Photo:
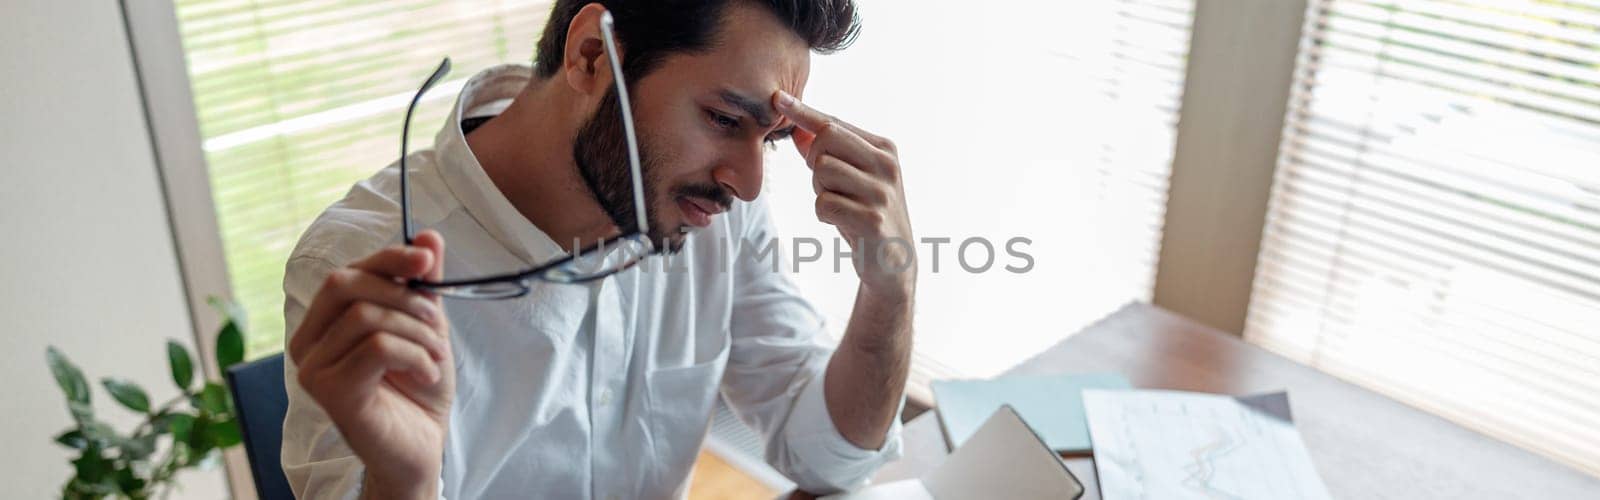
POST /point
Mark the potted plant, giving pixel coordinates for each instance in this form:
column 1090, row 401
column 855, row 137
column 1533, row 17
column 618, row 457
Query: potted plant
column 188, row 431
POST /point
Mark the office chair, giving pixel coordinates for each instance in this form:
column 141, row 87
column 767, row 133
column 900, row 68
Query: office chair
column 260, row 399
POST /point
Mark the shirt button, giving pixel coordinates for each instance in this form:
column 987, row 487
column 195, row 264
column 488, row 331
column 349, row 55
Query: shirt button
column 605, row 397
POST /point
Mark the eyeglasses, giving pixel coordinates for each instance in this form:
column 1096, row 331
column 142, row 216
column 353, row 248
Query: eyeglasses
column 608, row 257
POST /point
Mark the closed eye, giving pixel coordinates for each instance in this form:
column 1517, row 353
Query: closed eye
column 731, row 125
column 722, row 121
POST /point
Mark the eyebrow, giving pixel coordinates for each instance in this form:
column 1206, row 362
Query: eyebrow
column 755, row 108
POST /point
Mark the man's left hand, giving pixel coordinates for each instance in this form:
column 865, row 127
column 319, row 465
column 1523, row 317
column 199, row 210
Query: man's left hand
column 856, row 176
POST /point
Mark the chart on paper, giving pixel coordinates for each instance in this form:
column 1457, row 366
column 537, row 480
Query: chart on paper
column 1180, row 445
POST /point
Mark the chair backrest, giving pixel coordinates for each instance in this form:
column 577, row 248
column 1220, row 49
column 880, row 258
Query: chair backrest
column 260, row 399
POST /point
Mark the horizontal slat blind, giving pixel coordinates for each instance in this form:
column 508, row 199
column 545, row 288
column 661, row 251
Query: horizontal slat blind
column 1126, row 86
column 1435, row 224
column 298, row 99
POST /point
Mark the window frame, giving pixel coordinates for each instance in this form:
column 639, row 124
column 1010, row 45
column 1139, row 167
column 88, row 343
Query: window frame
column 158, row 60
column 1242, row 59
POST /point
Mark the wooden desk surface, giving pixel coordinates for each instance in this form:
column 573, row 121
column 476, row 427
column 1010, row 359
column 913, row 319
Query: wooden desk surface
column 1365, row 445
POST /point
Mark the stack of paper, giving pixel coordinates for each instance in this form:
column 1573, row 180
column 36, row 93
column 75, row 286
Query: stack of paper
column 1184, row 445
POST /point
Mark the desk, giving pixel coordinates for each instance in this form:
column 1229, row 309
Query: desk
column 1365, row 445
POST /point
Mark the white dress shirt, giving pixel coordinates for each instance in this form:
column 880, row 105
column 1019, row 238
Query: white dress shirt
column 580, row 391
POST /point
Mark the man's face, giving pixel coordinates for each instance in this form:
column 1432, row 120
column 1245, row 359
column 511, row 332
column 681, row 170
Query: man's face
column 702, row 119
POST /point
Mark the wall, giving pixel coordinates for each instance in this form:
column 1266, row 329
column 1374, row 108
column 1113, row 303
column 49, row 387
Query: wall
column 1022, row 137
column 88, row 262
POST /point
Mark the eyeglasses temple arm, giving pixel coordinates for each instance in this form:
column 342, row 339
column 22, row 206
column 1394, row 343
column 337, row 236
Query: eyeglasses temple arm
column 606, row 24
column 405, row 137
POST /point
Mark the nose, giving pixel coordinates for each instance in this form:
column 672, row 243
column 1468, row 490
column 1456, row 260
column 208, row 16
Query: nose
column 741, row 173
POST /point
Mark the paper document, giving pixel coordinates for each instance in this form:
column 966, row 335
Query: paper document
column 1184, row 445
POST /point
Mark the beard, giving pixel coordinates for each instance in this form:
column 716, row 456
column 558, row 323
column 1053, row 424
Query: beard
column 601, row 152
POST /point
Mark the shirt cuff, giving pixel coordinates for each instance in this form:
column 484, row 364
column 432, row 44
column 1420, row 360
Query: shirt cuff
column 826, row 461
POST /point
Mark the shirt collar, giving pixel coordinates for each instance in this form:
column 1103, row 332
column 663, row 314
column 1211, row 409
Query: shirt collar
column 487, row 93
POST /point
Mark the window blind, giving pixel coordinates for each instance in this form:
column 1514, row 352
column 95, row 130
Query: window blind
column 1049, row 120
column 299, row 99
column 1434, row 231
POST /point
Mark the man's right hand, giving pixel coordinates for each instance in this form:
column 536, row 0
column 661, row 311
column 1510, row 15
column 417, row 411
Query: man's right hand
column 375, row 354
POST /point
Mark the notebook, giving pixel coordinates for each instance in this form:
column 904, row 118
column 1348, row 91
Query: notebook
column 1051, row 404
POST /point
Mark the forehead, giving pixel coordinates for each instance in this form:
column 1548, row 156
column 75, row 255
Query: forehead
column 753, row 55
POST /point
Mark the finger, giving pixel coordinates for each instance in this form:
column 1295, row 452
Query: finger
column 803, row 115
column 880, row 155
column 365, row 319
column 383, row 353
column 396, row 262
column 833, row 174
column 434, row 243
column 816, row 128
column 389, row 263
column 802, row 139
column 853, row 149
column 343, row 287
column 874, row 139
column 848, row 215
column 334, row 382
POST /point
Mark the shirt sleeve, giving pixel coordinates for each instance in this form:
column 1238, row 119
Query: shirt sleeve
column 316, row 461
column 776, row 369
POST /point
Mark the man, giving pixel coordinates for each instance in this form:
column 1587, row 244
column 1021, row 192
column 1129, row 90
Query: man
column 603, row 389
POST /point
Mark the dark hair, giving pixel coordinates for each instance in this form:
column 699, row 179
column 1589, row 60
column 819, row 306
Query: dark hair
column 649, row 30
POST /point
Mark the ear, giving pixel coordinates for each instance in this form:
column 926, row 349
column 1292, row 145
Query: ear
column 584, row 65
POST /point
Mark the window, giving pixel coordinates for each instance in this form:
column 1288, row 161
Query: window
column 1053, row 122
column 299, row 99
column 1434, row 232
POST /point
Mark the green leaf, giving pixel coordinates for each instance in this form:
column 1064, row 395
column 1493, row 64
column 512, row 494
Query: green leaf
column 72, row 439
column 127, row 393
column 92, row 467
column 180, row 424
column 98, row 433
column 81, row 412
column 224, row 433
column 199, row 443
column 230, row 345
column 214, row 399
column 230, row 338
column 77, row 489
column 161, row 422
column 198, row 440
column 182, row 365
column 68, row 376
column 137, row 448
column 128, row 483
